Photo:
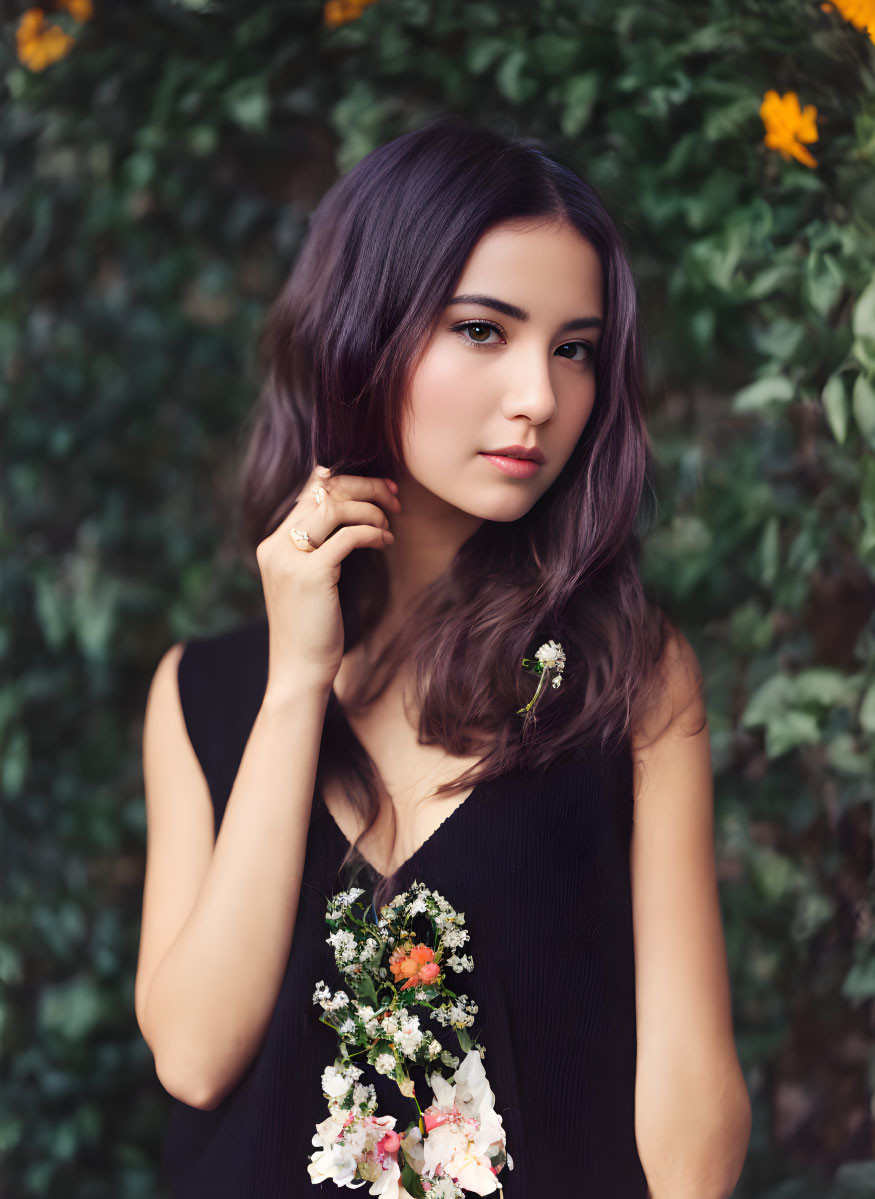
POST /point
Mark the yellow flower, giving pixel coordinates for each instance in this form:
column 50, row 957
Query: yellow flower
column 38, row 43
column 80, row 10
column 340, row 12
column 787, row 125
column 860, row 13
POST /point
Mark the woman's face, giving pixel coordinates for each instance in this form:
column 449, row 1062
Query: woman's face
column 525, row 377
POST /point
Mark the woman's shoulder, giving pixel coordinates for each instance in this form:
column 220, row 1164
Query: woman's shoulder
column 676, row 693
column 215, row 669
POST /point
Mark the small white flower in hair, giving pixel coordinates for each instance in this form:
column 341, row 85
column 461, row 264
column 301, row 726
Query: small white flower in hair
column 549, row 660
column 551, row 654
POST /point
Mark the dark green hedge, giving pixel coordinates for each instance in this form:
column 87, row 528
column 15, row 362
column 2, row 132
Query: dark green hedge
column 156, row 179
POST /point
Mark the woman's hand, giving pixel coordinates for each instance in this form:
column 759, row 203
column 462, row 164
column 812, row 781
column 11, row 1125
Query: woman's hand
column 339, row 513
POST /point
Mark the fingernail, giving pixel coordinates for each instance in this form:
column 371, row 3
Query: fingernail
column 392, row 485
column 323, row 472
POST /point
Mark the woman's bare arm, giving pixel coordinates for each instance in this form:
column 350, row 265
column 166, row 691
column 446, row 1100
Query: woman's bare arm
column 219, row 914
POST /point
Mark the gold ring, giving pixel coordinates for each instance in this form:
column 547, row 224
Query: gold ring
column 319, row 493
column 300, row 539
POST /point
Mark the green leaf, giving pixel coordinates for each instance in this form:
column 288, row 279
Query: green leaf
column 555, row 53
column 513, row 82
column 750, row 629
column 14, row 763
column 11, row 1131
column 378, row 1048
column 719, row 256
column 867, row 709
column 864, row 352
column 773, row 705
column 730, row 119
column 17, row 81
column 52, row 606
column 364, row 988
column 825, row 281
column 769, row 280
column 139, row 168
column 813, row 910
column 842, row 755
column 834, row 398
column 579, row 94
column 863, row 404
column 10, row 964
column 787, row 730
column 780, row 339
column 72, row 1009
column 777, row 875
column 853, row 1180
column 482, row 53
column 859, row 982
column 411, row 1181
column 774, row 389
column 247, row 103
column 203, row 139
column 770, row 549
column 821, row 686
column 863, row 318
column 867, row 510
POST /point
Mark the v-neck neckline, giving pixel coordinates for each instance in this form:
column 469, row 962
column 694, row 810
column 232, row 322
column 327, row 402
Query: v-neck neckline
column 341, row 836
column 339, row 831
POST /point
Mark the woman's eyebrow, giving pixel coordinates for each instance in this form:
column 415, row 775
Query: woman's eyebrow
column 520, row 314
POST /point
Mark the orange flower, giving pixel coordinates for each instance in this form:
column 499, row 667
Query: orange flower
column 38, row 43
column 859, row 13
column 787, row 125
column 417, row 965
column 341, row 12
column 80, row 10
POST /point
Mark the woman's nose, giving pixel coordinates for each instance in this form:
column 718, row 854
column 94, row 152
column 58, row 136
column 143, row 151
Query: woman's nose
column 533, row 397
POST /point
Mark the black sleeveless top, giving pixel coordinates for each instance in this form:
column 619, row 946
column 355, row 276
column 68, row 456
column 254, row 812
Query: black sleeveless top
column 540, row 867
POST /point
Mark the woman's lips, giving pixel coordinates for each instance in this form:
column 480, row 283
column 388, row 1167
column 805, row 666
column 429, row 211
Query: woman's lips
column 517, row 468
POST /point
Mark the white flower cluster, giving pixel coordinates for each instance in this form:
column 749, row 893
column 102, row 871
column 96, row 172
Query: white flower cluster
column 344, row 945
column 337, row 1082
column 322, row 995
column 403, row 1030
column 464, row 1146
column 552, row 655
column 369, row 1020
column 384, row 1063
column 459, row 1014
column 342, row 900
column 349, row 1144
column 445, row 1188
column 447, row 920
column 355, row 1146
column 351, row 956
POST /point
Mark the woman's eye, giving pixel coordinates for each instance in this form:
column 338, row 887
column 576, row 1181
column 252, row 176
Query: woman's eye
column 587, row 355
column 475, row 333
column 479, row 327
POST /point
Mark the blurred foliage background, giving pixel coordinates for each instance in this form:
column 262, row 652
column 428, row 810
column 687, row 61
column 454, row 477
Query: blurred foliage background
column 159, row 161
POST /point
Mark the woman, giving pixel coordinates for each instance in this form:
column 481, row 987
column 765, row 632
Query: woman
column 445, row 471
